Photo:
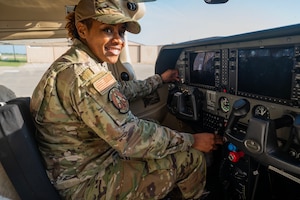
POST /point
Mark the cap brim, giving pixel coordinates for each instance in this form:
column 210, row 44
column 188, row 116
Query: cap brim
column 132, row 25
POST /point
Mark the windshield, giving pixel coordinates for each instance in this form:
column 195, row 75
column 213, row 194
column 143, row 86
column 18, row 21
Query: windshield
column 167, row 22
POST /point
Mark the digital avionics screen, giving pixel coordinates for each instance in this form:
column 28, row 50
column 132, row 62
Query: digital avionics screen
column 202, row 70
column 266, row 71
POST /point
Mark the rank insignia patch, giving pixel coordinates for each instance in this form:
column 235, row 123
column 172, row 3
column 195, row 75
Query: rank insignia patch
column 118, row 100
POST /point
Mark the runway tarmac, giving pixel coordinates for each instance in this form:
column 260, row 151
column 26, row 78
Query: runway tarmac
column 22, row 80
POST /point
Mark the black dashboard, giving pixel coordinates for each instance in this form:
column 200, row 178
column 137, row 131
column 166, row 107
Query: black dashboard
column 247, row 88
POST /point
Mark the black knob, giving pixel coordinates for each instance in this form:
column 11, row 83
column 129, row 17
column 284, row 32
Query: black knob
column 124, row 76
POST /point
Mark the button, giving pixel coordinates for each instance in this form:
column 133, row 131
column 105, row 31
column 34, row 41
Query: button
column 231, row 147
column 235, row 156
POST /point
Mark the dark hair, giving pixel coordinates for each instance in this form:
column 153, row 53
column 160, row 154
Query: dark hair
column 71, row 27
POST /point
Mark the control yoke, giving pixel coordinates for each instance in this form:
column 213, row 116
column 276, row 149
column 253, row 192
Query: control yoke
column 260, row 140
column 240, row 109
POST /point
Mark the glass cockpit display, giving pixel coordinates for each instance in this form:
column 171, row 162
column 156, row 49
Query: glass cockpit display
column 202, row 70
column 266, row 71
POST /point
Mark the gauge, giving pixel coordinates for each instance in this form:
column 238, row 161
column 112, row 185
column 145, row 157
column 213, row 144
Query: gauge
column 224, row 104
column 261, row 111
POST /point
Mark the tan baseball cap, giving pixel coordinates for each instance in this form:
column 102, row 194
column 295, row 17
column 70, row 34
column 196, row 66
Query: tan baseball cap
column 105, row 11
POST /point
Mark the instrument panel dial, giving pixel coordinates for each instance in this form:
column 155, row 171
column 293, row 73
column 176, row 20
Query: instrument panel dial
column 224, row 104
column 261, row 111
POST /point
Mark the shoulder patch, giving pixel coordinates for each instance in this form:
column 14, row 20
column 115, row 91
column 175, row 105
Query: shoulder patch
column 87, row 74
column 105, row 83
column 118, row 100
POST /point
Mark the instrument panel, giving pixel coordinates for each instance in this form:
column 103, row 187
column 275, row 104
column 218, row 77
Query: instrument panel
column 266, row 71
column 218, row 75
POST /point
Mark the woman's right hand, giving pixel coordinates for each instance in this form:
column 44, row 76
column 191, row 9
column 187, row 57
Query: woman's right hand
column 206, row 142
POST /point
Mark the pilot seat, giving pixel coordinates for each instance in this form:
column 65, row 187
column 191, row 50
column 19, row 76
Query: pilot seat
column 19, row 153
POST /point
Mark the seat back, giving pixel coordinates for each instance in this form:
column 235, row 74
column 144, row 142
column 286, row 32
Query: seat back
column 19, row 153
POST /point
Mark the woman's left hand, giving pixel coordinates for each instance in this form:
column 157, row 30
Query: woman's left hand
column 170, row 75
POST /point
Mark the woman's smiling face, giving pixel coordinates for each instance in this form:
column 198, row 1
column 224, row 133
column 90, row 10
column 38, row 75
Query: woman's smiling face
column 105, row 40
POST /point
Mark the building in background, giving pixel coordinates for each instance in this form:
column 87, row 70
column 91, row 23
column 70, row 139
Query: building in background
column 47, row 53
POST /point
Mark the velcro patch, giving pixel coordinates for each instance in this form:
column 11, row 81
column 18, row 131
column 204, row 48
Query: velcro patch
column 87, row 74
column 105, row 83
column 118, row 100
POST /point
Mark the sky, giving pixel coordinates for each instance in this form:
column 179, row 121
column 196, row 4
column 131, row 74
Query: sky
column 18, row 49
column 174, row 21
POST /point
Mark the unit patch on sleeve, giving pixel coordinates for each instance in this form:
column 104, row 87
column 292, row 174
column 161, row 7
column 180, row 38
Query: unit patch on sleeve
column 118, row 100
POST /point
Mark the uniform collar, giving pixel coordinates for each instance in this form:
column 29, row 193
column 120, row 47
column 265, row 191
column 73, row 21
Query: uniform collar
column 80, row 45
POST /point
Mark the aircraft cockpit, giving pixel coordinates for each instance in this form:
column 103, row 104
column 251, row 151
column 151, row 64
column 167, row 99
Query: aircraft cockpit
column 246, row 88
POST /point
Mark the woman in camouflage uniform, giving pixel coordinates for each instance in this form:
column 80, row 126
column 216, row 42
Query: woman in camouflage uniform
column 94, row 147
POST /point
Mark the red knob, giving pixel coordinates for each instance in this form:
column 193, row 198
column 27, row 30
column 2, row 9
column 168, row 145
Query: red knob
column 235, row 156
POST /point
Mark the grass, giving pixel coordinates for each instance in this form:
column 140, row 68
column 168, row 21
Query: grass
column 11, row 63
column 10, row 60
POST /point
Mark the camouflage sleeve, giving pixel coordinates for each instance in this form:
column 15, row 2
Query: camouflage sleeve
column 140, row 88
column 147, row 139
column 107, row 114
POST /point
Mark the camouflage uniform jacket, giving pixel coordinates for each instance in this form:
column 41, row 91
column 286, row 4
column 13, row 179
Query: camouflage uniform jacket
column 84, row 121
